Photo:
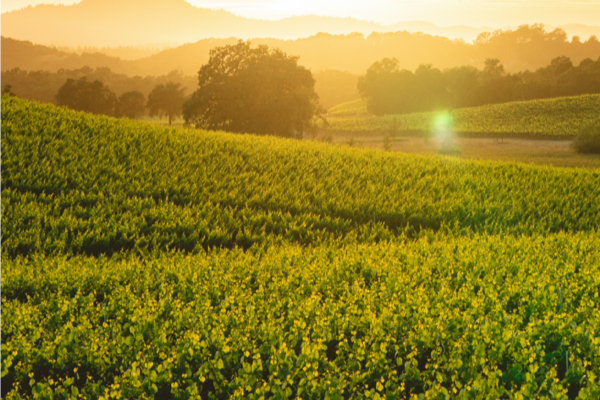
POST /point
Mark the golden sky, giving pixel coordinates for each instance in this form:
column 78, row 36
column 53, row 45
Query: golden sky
column 495, row 13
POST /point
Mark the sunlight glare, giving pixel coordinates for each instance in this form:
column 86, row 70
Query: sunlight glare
column 442, row 126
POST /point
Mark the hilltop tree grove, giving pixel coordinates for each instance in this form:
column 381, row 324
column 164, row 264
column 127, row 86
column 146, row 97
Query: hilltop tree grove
column 253, row 90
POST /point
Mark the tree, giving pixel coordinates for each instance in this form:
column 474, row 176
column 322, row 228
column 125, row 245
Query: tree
column 166, row 100
column 496, row 86
column 560, row 65
column 131, row 105
column 592, row 40
column 6, row 91
column 83, row 95
column 431, row 91
column 380, row 85
column 389, row 90
column 253, row 90
column 493, row 69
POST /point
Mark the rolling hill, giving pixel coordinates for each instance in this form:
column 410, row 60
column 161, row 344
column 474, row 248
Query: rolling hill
column 557, row 117
column 227, row 180
column 141, row 261
column 353, row 53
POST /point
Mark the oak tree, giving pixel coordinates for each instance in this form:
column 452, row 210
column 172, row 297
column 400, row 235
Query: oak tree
column 166, row 100
column 253, row 90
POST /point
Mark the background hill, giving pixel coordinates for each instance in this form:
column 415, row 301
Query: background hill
column 113, row 23
column 529, row 47
column 558, row 117
column 335, row 60
column 133, row 22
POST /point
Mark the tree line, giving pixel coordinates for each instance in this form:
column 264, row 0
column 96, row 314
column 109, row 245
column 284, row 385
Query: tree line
column 241, row 89
column 389, row 89
column 265, row 91
column 43, row 86
column 526, row 48
column 333, row 87
column 94, row 97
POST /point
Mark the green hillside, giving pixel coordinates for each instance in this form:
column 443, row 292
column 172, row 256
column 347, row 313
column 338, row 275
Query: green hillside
column 558, row 117
column 146, row 262
column 356, row 108
column 81, row 184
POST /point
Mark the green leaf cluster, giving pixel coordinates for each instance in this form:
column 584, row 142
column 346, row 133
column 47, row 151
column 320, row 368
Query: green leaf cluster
column 489, row 317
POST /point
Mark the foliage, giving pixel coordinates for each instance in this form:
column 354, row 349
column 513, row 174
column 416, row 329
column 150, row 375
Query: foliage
column 42, row 86
column 166, row 100
column 528, row 47
column 7, row 91
column 380, row 86
column 389, row 90
column 487, row 317
column 588, row 140
column 83, row 95
column 131, row 105
column 256, row 90
column 101, row 185
column 147, row 262
column 560, row 117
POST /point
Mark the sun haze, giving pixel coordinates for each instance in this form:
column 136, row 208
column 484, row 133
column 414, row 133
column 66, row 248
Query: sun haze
column 314, row 199
column 495, row 13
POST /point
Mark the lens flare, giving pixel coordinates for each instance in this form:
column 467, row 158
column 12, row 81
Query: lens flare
column 442, row 126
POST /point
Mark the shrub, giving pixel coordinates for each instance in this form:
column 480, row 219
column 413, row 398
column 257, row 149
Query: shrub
column 588, row 140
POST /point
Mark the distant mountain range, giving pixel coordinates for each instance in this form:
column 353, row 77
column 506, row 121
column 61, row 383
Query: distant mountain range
column 134, row 22
column 138, row 22
column 528, row 48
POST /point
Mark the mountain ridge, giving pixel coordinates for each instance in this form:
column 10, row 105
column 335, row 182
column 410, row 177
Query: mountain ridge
column 138, row 22
column 111, row 23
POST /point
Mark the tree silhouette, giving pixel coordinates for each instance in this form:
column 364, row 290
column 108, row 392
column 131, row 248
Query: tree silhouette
column 493, row 69
column 83, row 95
column 389, row 90
column 382, row 87
column 131, row 105
column 166, row 100
column 256, row 90
column 7, row 91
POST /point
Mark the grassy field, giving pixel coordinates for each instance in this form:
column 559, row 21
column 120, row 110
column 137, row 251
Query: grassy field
column 528, row 132
column 559, row 118
column 140, row 261
column 356, row 108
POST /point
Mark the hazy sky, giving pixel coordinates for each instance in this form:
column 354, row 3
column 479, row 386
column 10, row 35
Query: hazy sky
column 498, row 13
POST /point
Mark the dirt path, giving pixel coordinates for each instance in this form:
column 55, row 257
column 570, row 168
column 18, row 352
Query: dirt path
column 542, row 152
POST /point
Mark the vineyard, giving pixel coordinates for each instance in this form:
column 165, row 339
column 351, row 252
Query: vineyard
column 555, row 118
column 146, row 262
